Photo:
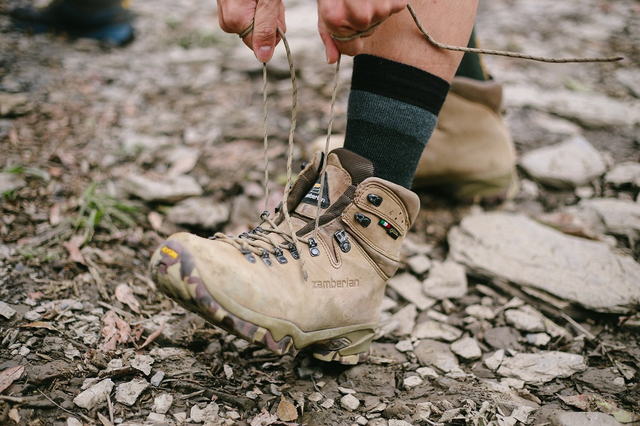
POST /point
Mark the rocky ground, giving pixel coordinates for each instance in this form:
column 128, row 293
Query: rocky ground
column 517, row 314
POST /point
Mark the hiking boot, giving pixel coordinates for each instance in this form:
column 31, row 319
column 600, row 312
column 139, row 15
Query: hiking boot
column 254, row 287
column 471, row 155
column 105, row 20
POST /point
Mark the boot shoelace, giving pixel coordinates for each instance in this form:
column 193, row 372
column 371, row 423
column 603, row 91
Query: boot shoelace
column 259, row 241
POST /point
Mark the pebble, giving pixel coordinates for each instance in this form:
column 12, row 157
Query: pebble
column 625, row 173
column 398, row 422
column 585, row 192
column 447, row 280
column 349, row 402
column 517, row 249
column 361, row 420
column 480, row 312
column 406, row 320
column 419, row 264
column 128, row 393
column 536, row 368
column 72, row 421
column 524, row 321
column 315, row 397
column 570, row 164
column 466, row 348
column 6, row 311
column 609, row 215
column 156, row 379
column 162, row 403
column 409, row 287
column 156, row 417
column 142, row 363
column 404, row 346
column 209, row 413
column 412, row 382
column 437, row 354
column 94, row 395
column 538, row 339
column 629, row 79
column 328, row 403
column 12, row 104
column 436, row 330
column 32, row 316
column 427, row 372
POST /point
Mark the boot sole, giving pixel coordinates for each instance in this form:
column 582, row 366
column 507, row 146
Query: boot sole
column 173, row 269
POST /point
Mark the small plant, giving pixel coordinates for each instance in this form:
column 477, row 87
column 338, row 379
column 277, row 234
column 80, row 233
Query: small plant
column 97, row 209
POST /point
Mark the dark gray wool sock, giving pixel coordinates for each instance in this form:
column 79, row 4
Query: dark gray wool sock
column 392, row 112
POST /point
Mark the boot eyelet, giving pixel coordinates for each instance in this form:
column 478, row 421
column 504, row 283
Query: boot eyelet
column 294, row 252
column 374, row 199
column 265, row 257
column 280, row 256
column 362, row 219
column 343, row 240
column 248, row 255
column 313, row 248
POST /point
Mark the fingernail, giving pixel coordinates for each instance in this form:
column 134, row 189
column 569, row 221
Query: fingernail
column 264, row 53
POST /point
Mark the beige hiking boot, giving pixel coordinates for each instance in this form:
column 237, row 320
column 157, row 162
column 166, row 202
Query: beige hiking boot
column 471, row 155
column 253, row 285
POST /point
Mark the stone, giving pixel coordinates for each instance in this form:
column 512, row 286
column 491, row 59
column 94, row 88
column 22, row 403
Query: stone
column 12, row 104
column 398, row 422
column 629, row 79
column 406, row 320
column 514, row 248
column 427, row 372
column 404, row 346
column 585, row 192
column 564, row 418
column 156, row 418
column 349, row 402
column 437, row 354
column 446, row 280
column 419, row 264
column 412, row 382
column 162, row 403
column 480, row 312
column 72, row 421
column 142, row 363
column 94, row 395
column 6, row 311
column 609, row 215
column 162, row 190
column 466, row 348
column 623, row 174
column 156, row 379
column 128, row 393
column 538, row 339
column 436, row 330
column 524, row 321
column 199, row 211
column 536, row 368
column 502, row 338
column 409, row 287
column 567, row 165
column 10, row 182
column 208, row 413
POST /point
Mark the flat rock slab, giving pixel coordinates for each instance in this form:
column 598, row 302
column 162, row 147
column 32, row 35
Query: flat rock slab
column 536, row 368
column 563, row 418
column 446, row 280
column 95, row 395
column 623, row 174
column 609, row 215
column 515, row 248
column 199, row 211
column 170, row 190
column 436, row 354
column 569, row 164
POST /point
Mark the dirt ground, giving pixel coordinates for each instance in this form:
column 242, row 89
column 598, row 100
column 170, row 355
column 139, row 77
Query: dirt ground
column 185, row 99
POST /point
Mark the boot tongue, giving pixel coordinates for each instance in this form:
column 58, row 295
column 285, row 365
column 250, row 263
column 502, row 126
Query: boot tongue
column 344, row 170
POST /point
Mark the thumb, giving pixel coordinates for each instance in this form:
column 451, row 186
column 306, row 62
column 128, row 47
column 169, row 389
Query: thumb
column 265, row 29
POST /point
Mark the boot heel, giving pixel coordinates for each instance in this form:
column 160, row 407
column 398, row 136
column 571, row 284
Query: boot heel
column 351, row 348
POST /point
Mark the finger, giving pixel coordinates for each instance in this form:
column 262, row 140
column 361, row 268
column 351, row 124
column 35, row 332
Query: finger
column 331, row 50
column 265, row 29
column 235, row 16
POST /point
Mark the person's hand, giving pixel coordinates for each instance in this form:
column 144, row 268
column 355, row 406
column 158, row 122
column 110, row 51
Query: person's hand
column 344, row 18
column 235, row 16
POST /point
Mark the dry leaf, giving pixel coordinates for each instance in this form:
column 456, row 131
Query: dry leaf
column 125, row 295
column 73, row 247
column 14, row 415
column 9, row 376
column 41, row 324
column 115, row 331
column 286, row 411
column 153, row 335
column 264, row 419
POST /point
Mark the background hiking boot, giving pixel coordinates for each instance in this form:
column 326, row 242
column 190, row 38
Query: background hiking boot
column 471, row 155
column 253, row 285
column 105, row 20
